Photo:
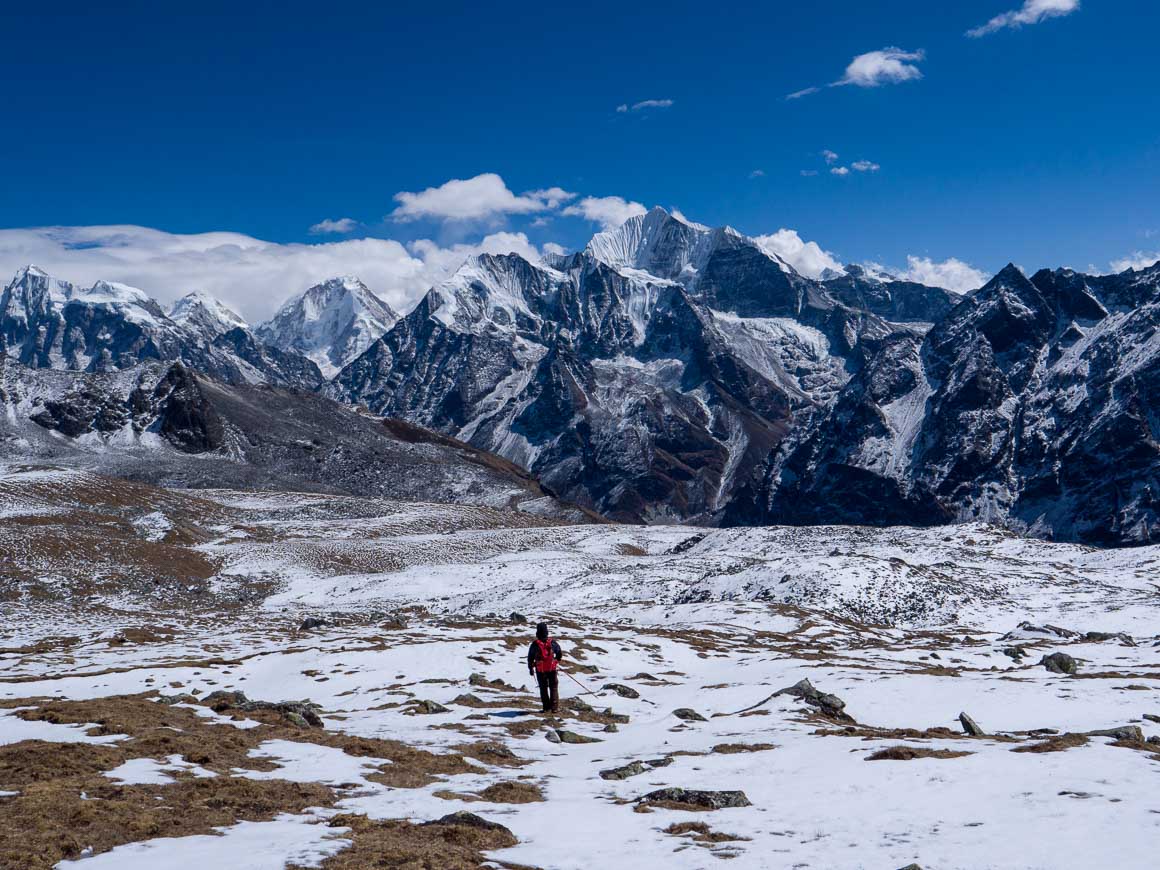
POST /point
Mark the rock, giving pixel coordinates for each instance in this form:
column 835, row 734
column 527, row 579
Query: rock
column 181, row 698
column 518, row 619
column 1101, row 636
column 471, row 820
column 396, row 621
column 622, row 690
column 970, row 726
column 1152, row 717
column 1124, row 732
column 634, row 768
column 297, row 719
column 1048, row 629
column 427, row 707
column 707, row 800
column 1059, row 663
column 573, row 737
column 804, row 690
column 611, row 728
column 689, row 715
column 659, row 762
column 552, row 736
column 304, row 714
column 1154, row 740
column 910, row 867
column 1014, row 652
column 311, row 622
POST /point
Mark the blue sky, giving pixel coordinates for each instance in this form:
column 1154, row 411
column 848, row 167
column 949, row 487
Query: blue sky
column 1038, row 142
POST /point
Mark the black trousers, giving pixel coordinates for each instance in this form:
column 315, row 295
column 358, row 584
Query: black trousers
column 549, row 690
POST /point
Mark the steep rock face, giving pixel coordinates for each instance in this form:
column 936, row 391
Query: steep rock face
column 890, row 298
column 206, row 316
column 643, row 376
column 332, row 323
column 1033, row 403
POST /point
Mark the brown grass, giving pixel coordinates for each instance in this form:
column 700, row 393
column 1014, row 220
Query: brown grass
column 737, row 748
column 406, row 846
column 1054, row 744
column 701, row 833
column 909, row 753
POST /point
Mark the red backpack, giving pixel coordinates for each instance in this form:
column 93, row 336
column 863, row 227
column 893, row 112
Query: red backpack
column 546, row 663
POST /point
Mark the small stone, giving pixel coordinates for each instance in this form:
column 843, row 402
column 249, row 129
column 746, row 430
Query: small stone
column 312, row 622
column 1014, row 652
column 634, row 768
column 1152, row 717
column 1059, row 663
column 428, row 707
column 611, row 728
column 573, row 737
column 552, row 736
column 970, row 726
column 518, row 619
column 687, row 714
column 622, row 690
column 297, row 720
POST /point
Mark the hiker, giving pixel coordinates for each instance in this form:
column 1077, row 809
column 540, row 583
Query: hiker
column 543, row 658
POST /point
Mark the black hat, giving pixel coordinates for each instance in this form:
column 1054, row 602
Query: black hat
column 542, row 631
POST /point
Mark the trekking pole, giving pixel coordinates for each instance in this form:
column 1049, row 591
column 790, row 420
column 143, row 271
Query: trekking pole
column 587, row 691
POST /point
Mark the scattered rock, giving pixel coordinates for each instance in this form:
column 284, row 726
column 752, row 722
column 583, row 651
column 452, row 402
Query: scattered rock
column 611, row 728
column 970, row 726
column 1014, row 652
column 1059, row 663
column 552, row 736
column 311, row 622
column 622, row 690
column 518, row 619
column 1152, row 717
column 470, row 820
column 687, row 714
column 696, row 799
column 1047, row 629
column 1101, row 636
column 634, row 768
column 572, row 737
column 910, row 867
column 303, row 714
column 181, row 698
column 483, row 682
column 737, row 748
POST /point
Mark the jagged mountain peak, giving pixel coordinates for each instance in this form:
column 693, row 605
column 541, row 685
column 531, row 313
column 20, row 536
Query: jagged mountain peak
column 205, row 314
column 331, row 323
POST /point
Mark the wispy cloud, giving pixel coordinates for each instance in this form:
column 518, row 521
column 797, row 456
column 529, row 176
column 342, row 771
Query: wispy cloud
column 864, row 166
column 951, row 274
column 608, row 211
column 757, row 173
column 339, row 226
column 830, row 156
column 887, row 66
column 479, row 198
column 809, row 173
column 645, row 104
column 1031, row 12
column 840, row 170
column 1136, row 260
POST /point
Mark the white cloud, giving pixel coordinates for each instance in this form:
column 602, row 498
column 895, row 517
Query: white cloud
column 339, row 226
column 889, row 66
column 840, row 170
column 1136, row 260
column 1031, row 12
column 608, row 211
column 465, row 199
column 865, row 166
column 645, row 104
column 830, row 156
column 951, row 274
column 757, row 173
column 809, row 173
column 250, row 275
column 808, row 258
column 553, row 248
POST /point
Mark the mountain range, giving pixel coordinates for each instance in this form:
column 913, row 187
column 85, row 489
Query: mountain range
column 673, row 372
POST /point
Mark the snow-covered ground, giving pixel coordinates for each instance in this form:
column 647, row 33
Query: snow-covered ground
column 908, row 627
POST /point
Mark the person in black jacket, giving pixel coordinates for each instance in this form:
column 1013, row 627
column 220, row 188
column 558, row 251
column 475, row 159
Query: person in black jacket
column 543, row 660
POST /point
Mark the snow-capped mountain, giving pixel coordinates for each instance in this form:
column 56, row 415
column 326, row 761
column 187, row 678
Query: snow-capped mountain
column 204, row 314
column 47, row 323
column 332, row 323
column 1033, row 402
column 643, row 376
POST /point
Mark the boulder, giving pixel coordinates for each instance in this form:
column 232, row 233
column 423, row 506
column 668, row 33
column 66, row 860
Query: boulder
column 518, row 619
column 634, row 768
column 427, row 707
column 1124, row 732
column 573, row 737
column 1059, row 663
column 311, row 622
column 970, row 726
column 698, row 799
column 622, row 690
column 831, row 705
column 687, row 714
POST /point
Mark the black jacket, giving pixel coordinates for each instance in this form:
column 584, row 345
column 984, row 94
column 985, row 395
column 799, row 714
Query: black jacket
column 534, row 653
